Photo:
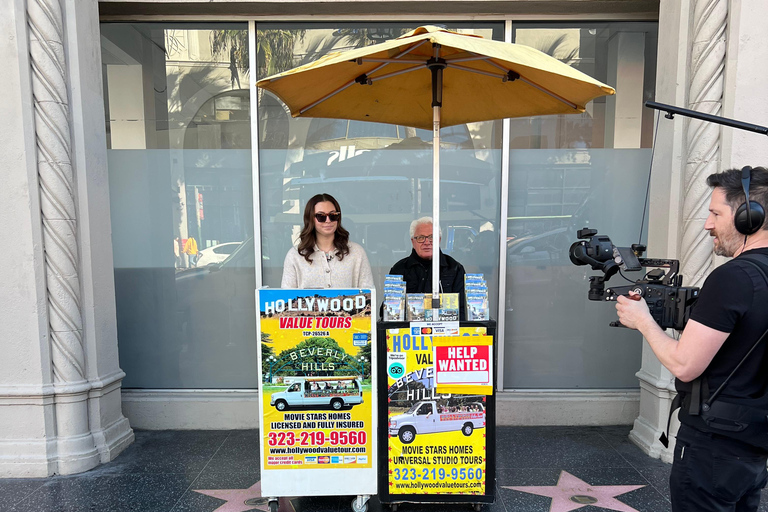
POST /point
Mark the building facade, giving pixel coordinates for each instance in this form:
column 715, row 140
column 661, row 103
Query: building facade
column 150, row 188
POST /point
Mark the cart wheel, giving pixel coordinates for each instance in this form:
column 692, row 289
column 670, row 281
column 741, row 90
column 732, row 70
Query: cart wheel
column 273, row 506
column 363, row 507
column 477, row 507
column 393, row 506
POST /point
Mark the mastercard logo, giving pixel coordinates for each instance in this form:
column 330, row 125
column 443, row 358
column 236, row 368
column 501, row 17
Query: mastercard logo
column 426, row 330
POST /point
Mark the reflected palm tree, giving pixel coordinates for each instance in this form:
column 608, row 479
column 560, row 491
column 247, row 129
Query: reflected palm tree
column 275, row 49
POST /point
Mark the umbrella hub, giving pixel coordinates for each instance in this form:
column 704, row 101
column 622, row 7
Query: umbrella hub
column 435, row 63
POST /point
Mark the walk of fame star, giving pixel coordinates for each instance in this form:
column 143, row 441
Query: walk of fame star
column 572, row 493
column 241, row 500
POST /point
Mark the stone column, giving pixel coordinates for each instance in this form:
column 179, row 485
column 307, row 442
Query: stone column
column 61, row 389
column 687, row 151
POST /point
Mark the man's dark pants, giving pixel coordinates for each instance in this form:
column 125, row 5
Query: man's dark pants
column 712, row 473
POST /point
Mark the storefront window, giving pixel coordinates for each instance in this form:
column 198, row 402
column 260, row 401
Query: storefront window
column 566, row 173
column 181, row 189
column 381, row 174
column 178, row 124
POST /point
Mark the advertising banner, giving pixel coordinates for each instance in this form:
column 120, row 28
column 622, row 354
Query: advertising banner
column 318, row 408
column 437, row 442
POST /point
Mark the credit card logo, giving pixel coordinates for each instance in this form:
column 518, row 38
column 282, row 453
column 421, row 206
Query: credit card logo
column 310, row 459
column 362, row 459
column 335, row 460
column 350, row 459
column 324, row 459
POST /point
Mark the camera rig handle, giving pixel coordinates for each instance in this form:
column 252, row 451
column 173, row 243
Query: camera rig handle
column 671, row 277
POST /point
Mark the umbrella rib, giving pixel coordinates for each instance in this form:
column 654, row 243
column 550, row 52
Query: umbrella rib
column 337, row 91
column 494, row 64
column 409, row 50
column 395, row 73
column 396, row 61
column 537, row 86
column 478, row 71
column 330, row 95
column 396, row 58
column 466, row 59
column 547, row 91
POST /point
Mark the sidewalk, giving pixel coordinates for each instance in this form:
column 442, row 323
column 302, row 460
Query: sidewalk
column 165, row 471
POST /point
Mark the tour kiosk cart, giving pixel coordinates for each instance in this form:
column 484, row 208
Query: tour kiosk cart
column 436, row 392
column 317, row 401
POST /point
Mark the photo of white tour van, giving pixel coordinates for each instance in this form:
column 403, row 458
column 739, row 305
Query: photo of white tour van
column 427, row 417
column 335, row 392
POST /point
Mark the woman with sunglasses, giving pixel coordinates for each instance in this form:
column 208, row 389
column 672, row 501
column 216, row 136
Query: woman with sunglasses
column 325, row 258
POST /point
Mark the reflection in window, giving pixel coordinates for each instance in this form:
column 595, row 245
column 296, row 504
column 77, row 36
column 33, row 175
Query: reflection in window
column 568, row 172
column 363, row 129
column 178, row 106
column 622, row 55
column 222, row 122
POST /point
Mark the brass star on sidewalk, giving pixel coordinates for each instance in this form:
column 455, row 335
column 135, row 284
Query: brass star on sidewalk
column 241, row 500
column 572, row 493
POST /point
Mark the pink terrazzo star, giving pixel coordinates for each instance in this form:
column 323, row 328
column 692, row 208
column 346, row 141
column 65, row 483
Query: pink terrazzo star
column 572, row 493
column 241, row 500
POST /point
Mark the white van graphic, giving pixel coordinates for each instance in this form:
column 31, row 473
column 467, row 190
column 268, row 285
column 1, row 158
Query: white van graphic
column 426, row 417
column 335, row 392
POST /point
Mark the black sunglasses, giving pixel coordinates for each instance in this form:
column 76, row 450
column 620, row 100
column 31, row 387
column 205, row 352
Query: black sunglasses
column 334, row 216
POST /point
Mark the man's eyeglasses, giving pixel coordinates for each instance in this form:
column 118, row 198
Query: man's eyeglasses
column 334, row 216
column 423, row 238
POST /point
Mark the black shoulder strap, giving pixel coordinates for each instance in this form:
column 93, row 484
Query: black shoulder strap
column 757, row 263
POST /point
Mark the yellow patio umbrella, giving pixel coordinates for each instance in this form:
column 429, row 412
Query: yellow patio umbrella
column 432, row 78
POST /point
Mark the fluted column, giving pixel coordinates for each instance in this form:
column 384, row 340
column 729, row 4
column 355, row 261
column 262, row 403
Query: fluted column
column 687, row 151
column 75, row 446
column 57, row 199
column 702, row 138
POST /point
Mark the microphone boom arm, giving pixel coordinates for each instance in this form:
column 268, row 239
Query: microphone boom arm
column 671, row 110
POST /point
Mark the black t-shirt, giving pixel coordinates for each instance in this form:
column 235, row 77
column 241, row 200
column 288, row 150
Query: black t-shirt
column 734, row 299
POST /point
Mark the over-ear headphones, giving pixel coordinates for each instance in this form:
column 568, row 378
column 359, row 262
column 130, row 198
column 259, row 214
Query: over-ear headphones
column 750, row 215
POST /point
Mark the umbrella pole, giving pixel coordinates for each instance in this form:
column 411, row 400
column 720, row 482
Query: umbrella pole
column 436, row 65
column 435, row 210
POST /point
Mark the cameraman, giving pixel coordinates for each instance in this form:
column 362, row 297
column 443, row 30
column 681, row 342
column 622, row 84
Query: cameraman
column 716, row 469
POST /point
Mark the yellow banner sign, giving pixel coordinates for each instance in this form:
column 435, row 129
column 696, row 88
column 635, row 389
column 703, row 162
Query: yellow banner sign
column 436, row 440
column 316, row 375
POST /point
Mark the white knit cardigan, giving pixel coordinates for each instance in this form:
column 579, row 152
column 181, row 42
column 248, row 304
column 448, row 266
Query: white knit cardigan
column 353, row 271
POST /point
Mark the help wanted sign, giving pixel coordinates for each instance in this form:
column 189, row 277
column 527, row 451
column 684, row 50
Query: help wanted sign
column 463, row 361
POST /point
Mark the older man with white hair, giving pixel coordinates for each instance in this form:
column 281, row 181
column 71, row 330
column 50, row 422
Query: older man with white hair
column 416, row 269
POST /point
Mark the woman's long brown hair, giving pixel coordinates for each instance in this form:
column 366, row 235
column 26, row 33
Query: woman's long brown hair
column 307, row 236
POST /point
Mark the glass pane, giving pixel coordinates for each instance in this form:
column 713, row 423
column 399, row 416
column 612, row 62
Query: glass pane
column 380, row 174
column 622, row 55
column 566, row 173
column 178, row 122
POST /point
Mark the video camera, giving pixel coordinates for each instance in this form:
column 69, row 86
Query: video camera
column 669, row 302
